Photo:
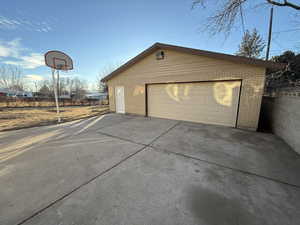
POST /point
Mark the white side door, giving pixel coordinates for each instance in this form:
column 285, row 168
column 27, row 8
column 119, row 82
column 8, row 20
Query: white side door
column 120, row 101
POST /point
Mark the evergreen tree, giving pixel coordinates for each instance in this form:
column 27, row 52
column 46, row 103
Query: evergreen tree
column 252, row 45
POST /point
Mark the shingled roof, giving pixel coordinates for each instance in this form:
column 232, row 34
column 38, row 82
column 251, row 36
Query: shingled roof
column 192, row 51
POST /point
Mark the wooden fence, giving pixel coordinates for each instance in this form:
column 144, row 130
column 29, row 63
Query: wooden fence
column 11, row 102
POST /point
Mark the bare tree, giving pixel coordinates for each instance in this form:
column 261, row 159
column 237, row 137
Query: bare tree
column 252, row 45
column 102, row 87
column 285, row 3
column 63, row 86
column 226, row 15
column 79, row 88
column 74, row 87
column 37, row 85
column 46, row 88
column 69, row 83
column 11, row 78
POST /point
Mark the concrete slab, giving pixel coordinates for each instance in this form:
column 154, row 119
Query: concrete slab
column 111, row 119
column 43, row 174
column 140, row 129
column 192, row 175
column 158, row 188
column 259, row 153
column 10, row 137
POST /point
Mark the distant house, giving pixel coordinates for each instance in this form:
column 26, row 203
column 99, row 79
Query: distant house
column 96, row 96
column 2, row 93
column 65, row 96
column 15, row 94
column 26, row 94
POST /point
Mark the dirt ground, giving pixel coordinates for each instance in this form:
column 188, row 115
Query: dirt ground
column 28, row 117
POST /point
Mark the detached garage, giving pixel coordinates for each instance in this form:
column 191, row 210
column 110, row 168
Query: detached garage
column 180, row 83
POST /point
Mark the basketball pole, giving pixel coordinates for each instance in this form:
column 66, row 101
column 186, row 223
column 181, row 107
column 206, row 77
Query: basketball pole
column 57, row 60
column 55, row 93
column 58, row 85
column 58, row 94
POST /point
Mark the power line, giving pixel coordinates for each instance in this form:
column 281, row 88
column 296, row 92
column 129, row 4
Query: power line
column 277, row 43
column 242, row 16
column 290, row 30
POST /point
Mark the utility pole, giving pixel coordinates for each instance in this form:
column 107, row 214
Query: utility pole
column 270, row 34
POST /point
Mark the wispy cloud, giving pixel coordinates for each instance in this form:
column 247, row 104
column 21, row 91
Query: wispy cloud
column 12, row 53
column 34, row 77
column 23, row 24
column 32, row 61
column 70, row 74
column 10, row 48
column 6, row 23
column 65, row 75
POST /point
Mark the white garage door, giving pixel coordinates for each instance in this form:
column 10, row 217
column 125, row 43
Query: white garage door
column 204, row 102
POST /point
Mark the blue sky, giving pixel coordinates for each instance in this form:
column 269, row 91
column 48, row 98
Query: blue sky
column 99, row 34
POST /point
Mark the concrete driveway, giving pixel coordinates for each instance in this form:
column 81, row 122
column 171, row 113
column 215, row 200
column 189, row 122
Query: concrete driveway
column 131, row 170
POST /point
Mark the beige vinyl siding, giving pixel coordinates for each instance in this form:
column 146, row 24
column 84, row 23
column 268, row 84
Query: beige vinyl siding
column 205, row 102
column 183, row 67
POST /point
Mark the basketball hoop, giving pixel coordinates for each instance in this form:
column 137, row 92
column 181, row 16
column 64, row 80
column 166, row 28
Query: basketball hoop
column 57, row 61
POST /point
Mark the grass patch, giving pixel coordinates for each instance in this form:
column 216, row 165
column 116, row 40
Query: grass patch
column 11, row 119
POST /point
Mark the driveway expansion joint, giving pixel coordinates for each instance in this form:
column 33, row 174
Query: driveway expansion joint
column 80, row 186
column 226, row 167
column 167, row 131
column 100, row 174
column 122, row 139
column 134, row 142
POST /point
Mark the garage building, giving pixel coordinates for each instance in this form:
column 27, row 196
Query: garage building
column 173, row 82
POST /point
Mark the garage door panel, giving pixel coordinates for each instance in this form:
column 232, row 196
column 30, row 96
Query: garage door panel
column 206, row 102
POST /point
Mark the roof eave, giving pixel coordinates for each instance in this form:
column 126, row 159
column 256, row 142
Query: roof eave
column 222, row 56
column 132, row 61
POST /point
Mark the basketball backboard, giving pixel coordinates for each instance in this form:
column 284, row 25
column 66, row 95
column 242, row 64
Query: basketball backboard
column 58, row 60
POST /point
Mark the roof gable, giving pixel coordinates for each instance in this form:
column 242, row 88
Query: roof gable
column 232, row 58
